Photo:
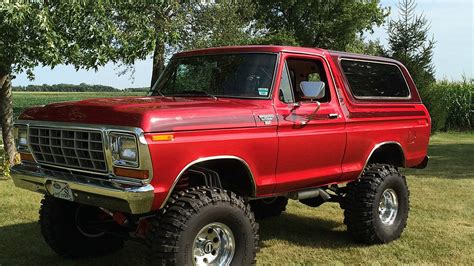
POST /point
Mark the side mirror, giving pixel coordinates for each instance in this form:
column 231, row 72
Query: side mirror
column 313, row 90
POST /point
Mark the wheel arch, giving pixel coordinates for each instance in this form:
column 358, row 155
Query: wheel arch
column 389, row 152
column 218, row 163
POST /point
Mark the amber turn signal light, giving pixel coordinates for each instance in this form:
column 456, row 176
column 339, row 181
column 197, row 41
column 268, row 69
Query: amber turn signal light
column 167, row 137
column 26, row 156
column 140, row 174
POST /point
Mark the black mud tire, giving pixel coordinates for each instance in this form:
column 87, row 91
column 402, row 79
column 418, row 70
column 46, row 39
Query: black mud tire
column 172, row 232
column 271, row 207
column 59, row 230
column 361, row 204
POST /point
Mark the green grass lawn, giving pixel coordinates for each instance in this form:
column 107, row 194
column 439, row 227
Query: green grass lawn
column 440, row 227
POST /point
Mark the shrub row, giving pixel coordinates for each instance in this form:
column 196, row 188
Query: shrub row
column 451, row 105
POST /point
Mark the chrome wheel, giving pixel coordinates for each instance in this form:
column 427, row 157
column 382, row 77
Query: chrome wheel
column 214, row 245
column 388, row 207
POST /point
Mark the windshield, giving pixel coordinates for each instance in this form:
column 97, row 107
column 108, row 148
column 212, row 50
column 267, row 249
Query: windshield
column 225, row 75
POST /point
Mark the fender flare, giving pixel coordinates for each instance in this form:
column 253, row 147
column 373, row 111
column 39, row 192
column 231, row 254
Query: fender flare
column 377, row 146
column 211, row 158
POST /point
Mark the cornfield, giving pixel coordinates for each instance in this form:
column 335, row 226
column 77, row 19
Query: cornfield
column 451, row 105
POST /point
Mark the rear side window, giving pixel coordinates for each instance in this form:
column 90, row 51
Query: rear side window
column 375, row 80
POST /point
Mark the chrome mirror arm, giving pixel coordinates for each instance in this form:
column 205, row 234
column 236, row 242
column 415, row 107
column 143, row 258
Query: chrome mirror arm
column 294, row 105
column 312, row 115
column 308, row 119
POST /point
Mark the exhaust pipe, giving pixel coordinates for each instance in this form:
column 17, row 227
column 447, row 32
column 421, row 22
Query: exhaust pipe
column 308, row 194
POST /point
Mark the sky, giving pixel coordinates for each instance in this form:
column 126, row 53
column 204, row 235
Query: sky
column 451, row 21
column 452, row 26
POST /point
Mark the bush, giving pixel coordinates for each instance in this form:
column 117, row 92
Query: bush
column 450, row 105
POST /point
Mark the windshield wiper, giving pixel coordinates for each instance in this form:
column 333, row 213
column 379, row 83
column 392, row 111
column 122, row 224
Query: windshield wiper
column 207, row 93
column 159, row 92
column 193, row 92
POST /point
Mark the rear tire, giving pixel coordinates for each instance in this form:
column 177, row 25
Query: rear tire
column 204, row 225
column 59, row 227
column 376, row 205
column 270, row 207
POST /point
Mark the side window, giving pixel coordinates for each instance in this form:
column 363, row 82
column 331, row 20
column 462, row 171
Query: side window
column 375, row 80
column 307, row 70
column 286, row 92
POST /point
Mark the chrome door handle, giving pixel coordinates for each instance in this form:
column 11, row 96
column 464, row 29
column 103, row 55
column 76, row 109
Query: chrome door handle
column 333, row 116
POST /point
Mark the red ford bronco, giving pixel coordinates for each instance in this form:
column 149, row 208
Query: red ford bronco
column 224, row 136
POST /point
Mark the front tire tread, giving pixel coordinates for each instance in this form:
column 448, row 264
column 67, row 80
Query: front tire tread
column 167, row 227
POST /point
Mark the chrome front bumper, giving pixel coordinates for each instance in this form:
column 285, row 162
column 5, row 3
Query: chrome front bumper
column 101, row 192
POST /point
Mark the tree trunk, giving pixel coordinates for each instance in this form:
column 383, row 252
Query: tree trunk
column 6, row 118
column 158, row 60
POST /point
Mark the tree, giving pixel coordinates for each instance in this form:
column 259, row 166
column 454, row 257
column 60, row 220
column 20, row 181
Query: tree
column 152, row 26
column 200, row 24
column 320, row 23
column 221, row 24
column 361, row 46
column 24, row 29
column 61, row 32
column 408, row 42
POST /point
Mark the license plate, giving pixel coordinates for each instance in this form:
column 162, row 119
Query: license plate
column 61, row 190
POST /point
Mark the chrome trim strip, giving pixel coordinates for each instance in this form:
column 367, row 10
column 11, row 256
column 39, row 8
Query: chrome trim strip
column 145, row 162
column 205, row 159
column 378, row 146
column 374, row 97
column 109, row 193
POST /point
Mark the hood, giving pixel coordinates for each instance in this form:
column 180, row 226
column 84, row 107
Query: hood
column 152, row 114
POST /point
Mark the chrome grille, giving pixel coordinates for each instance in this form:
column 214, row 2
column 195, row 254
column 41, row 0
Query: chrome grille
column 78, row 149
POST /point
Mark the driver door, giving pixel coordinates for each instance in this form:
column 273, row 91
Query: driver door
column 308, row 154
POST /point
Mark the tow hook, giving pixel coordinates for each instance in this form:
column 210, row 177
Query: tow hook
column 142, row 228
column 118, row 217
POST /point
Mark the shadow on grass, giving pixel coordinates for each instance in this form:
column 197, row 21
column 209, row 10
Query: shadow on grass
column 450, row 161
column 305, row 231
column 23, row 244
